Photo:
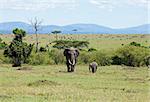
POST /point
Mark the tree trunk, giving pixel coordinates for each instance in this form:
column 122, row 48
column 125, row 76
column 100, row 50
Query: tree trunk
column 56, row 37
column 37, row 42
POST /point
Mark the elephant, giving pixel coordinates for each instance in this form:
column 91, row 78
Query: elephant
column 93, row 67
column 71, row 58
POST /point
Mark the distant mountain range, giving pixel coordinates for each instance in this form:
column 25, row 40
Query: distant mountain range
column 6, row 28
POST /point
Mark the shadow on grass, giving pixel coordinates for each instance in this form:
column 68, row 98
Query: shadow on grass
column 60, row 71
column 24, row 68
column 43, row 82
column 4, row 96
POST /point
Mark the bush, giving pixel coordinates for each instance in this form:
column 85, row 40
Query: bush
column 40, row 58
column 42, row 49
column 135, row 44
column 2, row 44
column 84, row 57
column 57, row 56
column 131, row 56
column 100, row 57
column 3, row 59
column 18, row 50
column 116, row 60
column 91, row 49
column 62, row 44
column 147, row 60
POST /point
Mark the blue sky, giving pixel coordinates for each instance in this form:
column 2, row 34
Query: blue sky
column 111, row 13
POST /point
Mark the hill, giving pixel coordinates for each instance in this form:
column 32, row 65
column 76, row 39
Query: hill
column 7, row 27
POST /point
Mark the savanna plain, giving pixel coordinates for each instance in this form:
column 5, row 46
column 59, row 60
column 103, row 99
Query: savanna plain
column 52, row 83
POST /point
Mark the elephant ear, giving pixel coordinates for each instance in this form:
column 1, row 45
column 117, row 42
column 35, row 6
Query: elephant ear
column 66, row 52
column 77, row 53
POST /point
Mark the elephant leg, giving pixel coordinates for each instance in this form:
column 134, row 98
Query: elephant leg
column 72, row 68
column 68, row 68
column 92, row 70
column 95, row 69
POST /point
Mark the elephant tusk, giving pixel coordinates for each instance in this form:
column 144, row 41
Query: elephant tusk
column 73, row 62
column 70, row 62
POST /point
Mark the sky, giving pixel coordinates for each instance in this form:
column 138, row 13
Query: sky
column 110, row 13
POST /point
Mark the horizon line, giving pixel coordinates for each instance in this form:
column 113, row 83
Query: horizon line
column 78, row 23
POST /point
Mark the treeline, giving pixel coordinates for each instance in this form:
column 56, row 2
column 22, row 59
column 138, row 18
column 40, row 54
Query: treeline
column 127, row 55
column 132, row 54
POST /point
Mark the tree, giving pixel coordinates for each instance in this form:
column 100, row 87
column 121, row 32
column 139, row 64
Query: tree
column 2, row 44
column 75, row 30
column 36, row 26
column 18, row 50
column 62, row 44
column 56, row 32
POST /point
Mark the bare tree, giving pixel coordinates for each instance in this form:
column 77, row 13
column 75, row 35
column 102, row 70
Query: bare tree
column 36, row 24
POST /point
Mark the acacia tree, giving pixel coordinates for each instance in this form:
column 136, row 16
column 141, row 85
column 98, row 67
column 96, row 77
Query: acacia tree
column 62, row 44
column 56, row 32
column 36, row 24
column 18, row 50
column 75, row 30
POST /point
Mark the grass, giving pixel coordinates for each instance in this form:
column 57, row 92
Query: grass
column 98, row 41
column 54, row 84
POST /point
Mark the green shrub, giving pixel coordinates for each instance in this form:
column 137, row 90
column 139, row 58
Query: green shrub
column 102, row 58
column 147, row 60
column 57, row 56
column 2, row 44
column 131, row 56
column 116, row 60
column 18, row 50
column 42, row 49
column 84, row 57
column 3, row 59
column 135, row 44
column 91, row 49
column 40, row 58
column 62, row 44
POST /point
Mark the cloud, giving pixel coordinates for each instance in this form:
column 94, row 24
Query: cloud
column 103, row 4
column 36, row 4
column 111, row 4
column 142, row 3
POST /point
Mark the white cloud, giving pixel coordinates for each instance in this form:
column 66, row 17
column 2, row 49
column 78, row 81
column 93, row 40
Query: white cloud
column 142, row 3
column 103, row 4
column 110, row 4
column 49, row 4
column 36, row 4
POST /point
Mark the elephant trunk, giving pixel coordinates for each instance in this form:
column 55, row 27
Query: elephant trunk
column 72, row 62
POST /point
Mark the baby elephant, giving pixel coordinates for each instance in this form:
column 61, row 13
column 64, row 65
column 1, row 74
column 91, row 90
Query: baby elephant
column 93, row 67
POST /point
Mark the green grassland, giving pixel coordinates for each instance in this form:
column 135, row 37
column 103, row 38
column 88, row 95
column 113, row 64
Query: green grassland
column 54, row 84
column 51, row 83
column 98, row 41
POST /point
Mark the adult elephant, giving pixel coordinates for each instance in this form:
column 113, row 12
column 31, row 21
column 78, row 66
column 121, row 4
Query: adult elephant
column 71, row 58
